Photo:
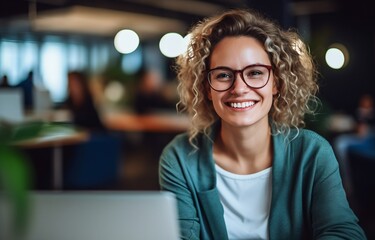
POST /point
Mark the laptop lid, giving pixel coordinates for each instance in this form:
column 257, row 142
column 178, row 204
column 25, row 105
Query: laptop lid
column 11, row 105
column 130, row 215
column 42, row 101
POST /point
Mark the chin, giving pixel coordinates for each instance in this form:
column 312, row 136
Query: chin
column 239, row 123
column 243, row 122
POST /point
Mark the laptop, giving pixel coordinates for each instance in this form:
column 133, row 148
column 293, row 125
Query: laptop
column 11, row 105
column 130, row 215
column 42, row 101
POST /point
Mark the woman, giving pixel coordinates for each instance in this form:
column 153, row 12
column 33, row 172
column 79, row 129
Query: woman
column 81, row 104
column 245, row 170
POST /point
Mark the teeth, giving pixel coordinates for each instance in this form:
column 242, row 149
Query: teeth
column 242, row 104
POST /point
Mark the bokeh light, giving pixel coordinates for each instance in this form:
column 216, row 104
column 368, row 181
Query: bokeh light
column 172, row 44
column 114, row 91
column 186, row 43
column 126, row 41
column 337, row 56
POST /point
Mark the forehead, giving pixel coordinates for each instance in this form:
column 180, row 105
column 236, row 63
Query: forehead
column 237, row 52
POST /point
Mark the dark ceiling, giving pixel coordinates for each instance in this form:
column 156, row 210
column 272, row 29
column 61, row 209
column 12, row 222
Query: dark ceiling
column 18, row 7
column 357, row 11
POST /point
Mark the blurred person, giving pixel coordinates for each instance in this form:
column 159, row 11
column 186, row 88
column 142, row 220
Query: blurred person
column 246, row 169
column 365, row 115
column 4, row 82
column 81, row 104
column 150, row 93
column 27, row 86
column 364, row 132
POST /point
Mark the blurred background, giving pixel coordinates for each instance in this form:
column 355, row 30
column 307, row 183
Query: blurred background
column 51, row 37
column 104, row 69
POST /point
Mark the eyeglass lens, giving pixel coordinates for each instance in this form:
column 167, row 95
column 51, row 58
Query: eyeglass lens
column 255, row 76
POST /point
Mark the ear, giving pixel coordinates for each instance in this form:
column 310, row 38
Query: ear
column 274, row 90
column 274, row 87
column 209, row 95
column 208, row 91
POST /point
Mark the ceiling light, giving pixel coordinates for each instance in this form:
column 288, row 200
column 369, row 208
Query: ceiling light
column 172, row 44
column 337, row 56
column 126, row 41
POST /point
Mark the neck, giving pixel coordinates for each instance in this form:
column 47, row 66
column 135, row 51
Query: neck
column 243, row 150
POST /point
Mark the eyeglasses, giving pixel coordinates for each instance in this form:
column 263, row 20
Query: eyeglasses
column 254, row 76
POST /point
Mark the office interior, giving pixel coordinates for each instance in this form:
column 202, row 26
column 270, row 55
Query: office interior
column 50, row 38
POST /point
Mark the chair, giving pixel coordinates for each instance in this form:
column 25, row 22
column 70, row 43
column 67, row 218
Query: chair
column 95, row 163
column 362, row 164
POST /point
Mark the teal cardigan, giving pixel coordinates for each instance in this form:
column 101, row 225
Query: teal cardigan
column 308, row 200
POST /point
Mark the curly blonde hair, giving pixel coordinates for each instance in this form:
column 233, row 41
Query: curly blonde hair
column 293, row 68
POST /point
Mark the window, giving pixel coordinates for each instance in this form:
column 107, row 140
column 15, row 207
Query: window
column 53, row 69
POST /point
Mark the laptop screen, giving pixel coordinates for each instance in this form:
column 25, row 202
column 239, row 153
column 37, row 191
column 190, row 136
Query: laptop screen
column 100, row 215
column 11, row 105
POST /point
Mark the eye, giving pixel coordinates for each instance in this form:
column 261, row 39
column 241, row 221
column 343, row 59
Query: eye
column 221, row 75
column 254, row 72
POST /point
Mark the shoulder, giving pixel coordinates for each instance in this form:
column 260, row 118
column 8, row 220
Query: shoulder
column 180, row 152
column 176, row 150
column 307, row 153
column 314, row 150
column 304, row 147
column 305, row 138
column 180, row 143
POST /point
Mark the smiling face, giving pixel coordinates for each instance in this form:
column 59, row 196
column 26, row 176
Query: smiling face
column 242, row 106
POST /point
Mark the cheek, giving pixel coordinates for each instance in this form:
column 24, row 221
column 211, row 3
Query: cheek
column 212, row 96
column 216, row 101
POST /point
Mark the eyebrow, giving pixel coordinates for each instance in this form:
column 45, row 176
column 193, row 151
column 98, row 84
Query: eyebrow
column 258, row 63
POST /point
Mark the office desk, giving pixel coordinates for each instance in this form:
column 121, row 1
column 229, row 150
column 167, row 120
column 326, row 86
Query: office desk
column 56, row 140
column 157, row 122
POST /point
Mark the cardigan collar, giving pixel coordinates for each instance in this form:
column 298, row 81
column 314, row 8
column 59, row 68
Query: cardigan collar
column 205, row 179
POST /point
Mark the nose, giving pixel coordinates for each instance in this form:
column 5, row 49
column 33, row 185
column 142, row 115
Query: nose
column 239, row 86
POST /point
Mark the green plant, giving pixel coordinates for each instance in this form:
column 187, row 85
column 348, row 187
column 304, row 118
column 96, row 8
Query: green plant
column 15, row 172
column 14, row 177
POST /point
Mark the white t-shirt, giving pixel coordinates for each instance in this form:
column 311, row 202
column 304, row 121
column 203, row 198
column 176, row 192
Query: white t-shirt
column 246, row 200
